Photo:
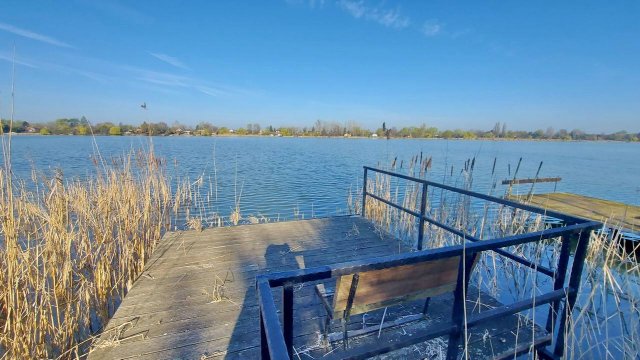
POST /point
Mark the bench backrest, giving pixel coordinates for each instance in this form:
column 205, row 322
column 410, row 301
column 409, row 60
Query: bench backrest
column 386, row 287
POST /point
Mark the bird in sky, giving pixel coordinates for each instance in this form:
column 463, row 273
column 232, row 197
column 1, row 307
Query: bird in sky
column 144, row 105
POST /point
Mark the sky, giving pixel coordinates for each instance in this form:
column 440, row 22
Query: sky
column 463, row 64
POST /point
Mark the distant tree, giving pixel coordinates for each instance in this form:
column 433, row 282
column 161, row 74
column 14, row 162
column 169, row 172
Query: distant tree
column 103, row 128
column 223, row 131
column 549, row 134
column 205, row 129
column 447, row 134
column 45, row 131
column 496, row 129
column 160, row 128
column 577, row 134
column 538, row 134
column 563, row 134
column 82, row 130
column 115, row 131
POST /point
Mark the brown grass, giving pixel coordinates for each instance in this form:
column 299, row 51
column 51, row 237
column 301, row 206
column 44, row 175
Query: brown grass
column 69, row 250
column 604, row 322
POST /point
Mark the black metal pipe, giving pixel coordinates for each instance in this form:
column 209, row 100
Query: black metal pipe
column 449, row 228
column 423, row 208
column 516, row 307
column 457, row 313
column 559, row 278
column 574, row 283
column 272, row 331
column 287, row 317
column 394, row 205
column 264, row 346
column 364, row 192
column 514, row 204
column 329, row 271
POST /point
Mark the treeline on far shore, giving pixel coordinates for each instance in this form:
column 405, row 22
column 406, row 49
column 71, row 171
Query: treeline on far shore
column 81, row 126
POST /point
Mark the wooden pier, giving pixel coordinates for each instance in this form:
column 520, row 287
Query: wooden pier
column 615, row 214
column 196, row 298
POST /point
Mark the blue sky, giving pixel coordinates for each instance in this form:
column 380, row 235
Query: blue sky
column 565, row 64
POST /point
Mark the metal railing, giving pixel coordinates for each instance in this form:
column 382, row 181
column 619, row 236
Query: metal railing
column 277, row 339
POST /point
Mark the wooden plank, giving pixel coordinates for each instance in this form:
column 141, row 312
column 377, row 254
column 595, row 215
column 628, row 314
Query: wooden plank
column 615, row 214
column 167, row 314
column 531, row 181
column 212, row 339
column 386, row 287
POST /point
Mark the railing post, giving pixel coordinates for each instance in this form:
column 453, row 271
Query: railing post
column 287, row 317
column 574, row 286
column 457, row 314
column 423, row 209
column 364, row 192
column 559, row 278
column 264, row 345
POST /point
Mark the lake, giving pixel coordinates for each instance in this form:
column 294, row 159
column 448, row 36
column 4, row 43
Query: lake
column 286, row 178
column 283, row 178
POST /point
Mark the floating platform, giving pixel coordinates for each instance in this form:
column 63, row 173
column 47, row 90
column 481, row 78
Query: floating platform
column 615, row 214
column 196, row 298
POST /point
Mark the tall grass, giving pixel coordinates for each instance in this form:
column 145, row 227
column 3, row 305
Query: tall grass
column 604, row 323
column 69, row 250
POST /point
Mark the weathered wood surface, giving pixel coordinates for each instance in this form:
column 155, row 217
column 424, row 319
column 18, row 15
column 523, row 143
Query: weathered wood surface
column 196, row 298
column 616, row 214
column 386, row 287
column 530, row 181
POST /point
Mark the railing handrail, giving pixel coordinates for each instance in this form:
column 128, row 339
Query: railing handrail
column 277, row 342
column 530, row 208
column 330, row 271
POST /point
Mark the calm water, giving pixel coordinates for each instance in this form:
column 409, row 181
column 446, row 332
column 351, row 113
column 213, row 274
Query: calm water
column 277, row 177
column 298, row 177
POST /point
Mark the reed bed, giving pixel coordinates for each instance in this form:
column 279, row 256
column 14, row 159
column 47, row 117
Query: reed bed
column 604, row 322
column 70, row 249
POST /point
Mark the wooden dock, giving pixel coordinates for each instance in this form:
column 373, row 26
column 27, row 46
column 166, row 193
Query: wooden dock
column 196, row 298
column 616, row 214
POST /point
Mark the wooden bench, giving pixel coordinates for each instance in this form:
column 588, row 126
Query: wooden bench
column 366, row 291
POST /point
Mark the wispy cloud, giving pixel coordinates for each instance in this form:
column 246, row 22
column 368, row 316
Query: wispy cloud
column 33, row 36
column 432, row 28
column 387, row 17
column 182, row 83
column 207, row 90
column 169, row 60
column 9, row 58
column 161, row 78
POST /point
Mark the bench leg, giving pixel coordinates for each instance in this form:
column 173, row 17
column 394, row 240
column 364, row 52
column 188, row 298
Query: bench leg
column 426, row 306
column 327, row 324
column 345, row 338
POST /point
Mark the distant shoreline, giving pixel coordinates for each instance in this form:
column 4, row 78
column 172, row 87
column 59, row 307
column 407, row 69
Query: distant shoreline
column 325, row 137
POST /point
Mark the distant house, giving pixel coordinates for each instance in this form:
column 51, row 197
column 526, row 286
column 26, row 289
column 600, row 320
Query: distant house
column 374, row 135
column 31, row 130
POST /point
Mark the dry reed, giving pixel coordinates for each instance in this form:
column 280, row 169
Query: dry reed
column 604, row 323
column 69, row 250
